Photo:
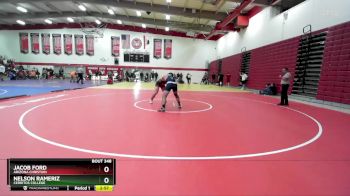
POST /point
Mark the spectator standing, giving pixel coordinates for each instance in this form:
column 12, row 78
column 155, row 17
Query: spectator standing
column 188, row 77
column 285, row 82
column 37, row 74
column 90, row 74
column 152, row 75
column 244, row 79
column 147, row 77
column 98, row 74
column 2, row 72
column 61, row 73
column 221, row 79
column 141, row 76
column 80, row 72
column 44, row 74
column 156, row 76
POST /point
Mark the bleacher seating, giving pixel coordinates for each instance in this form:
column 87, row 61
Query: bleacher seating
column 334, row 83
column 309, row 63
column 267, row 62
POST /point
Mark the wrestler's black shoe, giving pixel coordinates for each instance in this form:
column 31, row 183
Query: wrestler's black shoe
column 161, row 109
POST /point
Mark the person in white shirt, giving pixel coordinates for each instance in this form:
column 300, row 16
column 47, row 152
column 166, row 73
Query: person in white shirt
column 285, row 82
column 244, row 79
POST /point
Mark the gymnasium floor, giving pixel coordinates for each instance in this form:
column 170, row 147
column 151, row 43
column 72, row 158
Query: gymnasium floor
column 223, row 142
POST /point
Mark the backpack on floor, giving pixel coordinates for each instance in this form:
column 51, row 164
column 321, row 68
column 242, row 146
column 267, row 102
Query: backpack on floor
column 110, row 81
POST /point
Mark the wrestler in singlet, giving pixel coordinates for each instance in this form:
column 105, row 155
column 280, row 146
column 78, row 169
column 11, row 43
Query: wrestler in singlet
column 171, row 85
column 160, row 84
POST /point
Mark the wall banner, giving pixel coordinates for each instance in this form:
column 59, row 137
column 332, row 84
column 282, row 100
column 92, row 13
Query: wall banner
column 57, row 43
column 89, row 42
column 79, row 44
column 157, row 48
column 115, row 46
column 34, row 37
column 168, row 48
column 23, row 42
column 45, row 42
column 68, row 44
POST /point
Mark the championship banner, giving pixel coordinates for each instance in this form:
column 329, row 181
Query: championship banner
column 23, row 42
column 167, row 48
column 79, row 44
column 34, row 37
column 115, row 46
column 45, row 42
column 126, row 41
column 68, row 45
column 89, row 42
column 157, row 48
column 57, row 44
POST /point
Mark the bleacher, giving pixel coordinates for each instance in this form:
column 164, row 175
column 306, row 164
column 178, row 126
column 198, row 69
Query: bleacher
column 319, row 63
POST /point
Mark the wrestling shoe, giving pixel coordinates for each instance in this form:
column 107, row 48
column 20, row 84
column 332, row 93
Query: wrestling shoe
column 161, row 110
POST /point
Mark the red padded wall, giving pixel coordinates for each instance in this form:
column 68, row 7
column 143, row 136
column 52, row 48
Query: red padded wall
column 267, row 62
column 334, row 83
column 231, row 65
column 213, row 69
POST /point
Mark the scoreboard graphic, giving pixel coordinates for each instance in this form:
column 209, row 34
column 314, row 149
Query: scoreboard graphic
column 61, row 174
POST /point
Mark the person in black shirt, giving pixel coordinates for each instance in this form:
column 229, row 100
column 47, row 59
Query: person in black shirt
column 188, row 77
column 141, row 76
column 61, row 73
column 155, row 76
column 80, row 72
column 147, row 77
column 152, row 76
column 221, row 79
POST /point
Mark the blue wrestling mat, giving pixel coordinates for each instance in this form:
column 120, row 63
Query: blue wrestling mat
column 18, row 88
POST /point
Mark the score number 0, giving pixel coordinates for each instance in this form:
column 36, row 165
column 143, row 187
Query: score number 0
column 106, row 170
